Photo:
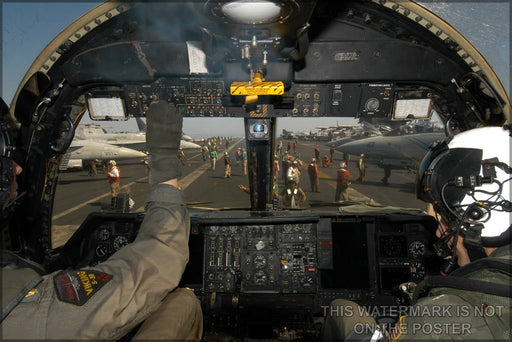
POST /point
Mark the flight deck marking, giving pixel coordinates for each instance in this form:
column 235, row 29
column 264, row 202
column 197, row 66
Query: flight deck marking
column 191, row 177
column 70, row 210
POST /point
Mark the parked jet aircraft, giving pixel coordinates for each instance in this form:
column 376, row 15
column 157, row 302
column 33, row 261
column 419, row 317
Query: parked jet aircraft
column 98, row 133
column 263, row 270
column 87, row 149
column 395, row 151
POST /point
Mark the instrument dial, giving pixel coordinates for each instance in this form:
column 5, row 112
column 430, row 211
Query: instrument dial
column 260, row 278
column 416, row 249
column 104, row 234
column 418, row 271
column 307, row 281
column 119, row 242
column 101, row 251
column 260, row 261
column 372, row 104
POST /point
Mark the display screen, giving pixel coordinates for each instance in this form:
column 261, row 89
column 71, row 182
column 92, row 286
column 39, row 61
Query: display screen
column 106, row 108
column 350, row 258
column 258, row 128
column 412, row 109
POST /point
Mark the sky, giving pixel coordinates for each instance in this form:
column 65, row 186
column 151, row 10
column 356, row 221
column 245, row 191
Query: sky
column 27, row 27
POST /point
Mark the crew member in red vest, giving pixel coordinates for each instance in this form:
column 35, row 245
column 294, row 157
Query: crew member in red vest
column 113, row 177
column 342, row 183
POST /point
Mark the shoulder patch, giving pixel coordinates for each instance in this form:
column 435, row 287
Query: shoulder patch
column 77, row 286
column 395, row 334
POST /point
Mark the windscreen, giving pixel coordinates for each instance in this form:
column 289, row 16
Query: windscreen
column 215, row 166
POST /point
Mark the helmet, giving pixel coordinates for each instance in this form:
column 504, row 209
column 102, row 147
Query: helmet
column 112, row 162
column 343, row 164
column 466, row 179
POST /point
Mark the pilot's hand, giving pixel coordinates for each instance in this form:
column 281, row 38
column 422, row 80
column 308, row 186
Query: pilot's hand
column 163, row 138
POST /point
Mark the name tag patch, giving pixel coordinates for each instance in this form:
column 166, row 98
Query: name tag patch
column 77, row 286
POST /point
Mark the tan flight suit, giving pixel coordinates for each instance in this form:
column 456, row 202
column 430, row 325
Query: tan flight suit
column 136, row 282
column 486, row 317
column 446, row 314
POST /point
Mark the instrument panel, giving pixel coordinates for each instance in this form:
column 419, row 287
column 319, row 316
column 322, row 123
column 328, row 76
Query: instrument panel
column 209, row 97
column 318, row 259
column 276, row 270
column 260, row 258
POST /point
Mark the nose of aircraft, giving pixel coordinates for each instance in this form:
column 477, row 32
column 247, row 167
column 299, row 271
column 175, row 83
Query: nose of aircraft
column 355, row 147
column 126, row 153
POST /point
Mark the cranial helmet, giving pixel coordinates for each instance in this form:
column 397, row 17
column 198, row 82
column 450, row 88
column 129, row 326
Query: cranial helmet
column 112, row 162
column 468, row 181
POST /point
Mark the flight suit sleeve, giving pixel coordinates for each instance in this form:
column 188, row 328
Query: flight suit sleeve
column 119, row 293
column 442, row 317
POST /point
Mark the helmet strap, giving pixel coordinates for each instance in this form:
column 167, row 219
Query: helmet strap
column 473, row 242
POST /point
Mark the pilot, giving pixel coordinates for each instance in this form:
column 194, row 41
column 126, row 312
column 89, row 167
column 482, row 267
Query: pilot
column 138, row 283
column 467, row 181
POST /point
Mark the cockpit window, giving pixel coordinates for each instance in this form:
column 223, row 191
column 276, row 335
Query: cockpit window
column 381, row 168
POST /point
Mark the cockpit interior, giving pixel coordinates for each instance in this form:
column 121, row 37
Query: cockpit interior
column 260, row 269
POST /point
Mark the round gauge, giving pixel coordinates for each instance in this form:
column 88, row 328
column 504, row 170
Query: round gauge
column 417, row 271
column 101, row 251
column 119, row 242
column 104, row 234
column 260, row 261
column 307, row 228
column 260, row 278
column 416, row 249
column 372, row 104
column 307, row 281
column 287, row 228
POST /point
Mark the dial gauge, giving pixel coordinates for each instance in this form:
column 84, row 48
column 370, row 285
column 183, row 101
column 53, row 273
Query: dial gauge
column 416, row 249
column 119, row 242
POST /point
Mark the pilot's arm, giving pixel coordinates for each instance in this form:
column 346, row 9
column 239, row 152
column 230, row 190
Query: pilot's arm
column 108, row 300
